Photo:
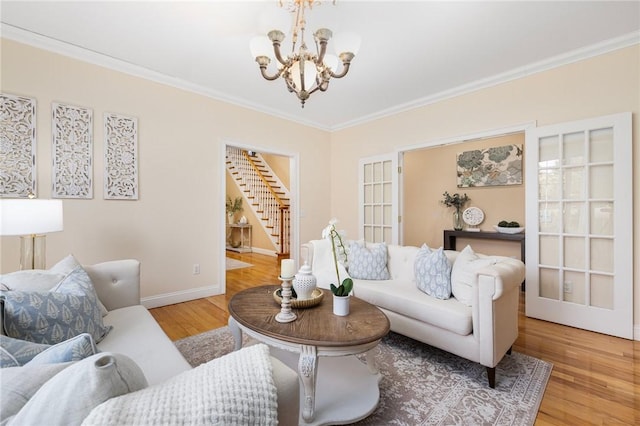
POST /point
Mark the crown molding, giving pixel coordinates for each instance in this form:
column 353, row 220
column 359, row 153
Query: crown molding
column 587, row 52
column 40, row 41
column 80, row 53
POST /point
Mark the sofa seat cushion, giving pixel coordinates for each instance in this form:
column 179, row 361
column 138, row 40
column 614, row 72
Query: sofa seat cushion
column 405, row 298
column 137, row 334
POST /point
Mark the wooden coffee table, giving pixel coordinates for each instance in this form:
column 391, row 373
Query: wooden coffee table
column 346, row 389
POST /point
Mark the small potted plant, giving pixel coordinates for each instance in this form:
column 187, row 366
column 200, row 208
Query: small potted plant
column 342, row 290
column 458, row 201
column 232, row 207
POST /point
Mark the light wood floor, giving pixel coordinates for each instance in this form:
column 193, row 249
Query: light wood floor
column 595, row 378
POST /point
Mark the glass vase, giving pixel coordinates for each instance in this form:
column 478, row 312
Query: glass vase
column 457, row 220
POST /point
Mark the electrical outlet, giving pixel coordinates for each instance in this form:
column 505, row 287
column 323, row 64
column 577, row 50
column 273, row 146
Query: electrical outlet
column 568, row 287
column 196, row 268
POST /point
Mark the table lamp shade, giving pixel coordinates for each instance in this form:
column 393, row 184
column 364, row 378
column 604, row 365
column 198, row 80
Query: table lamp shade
column 30, row 217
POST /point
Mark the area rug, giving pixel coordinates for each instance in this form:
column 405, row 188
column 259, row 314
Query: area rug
column 422, row 385
column 236, row 264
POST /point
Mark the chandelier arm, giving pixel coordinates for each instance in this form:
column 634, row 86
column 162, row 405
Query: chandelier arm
column 276, row 51
column 345, row 70
column 263, row 71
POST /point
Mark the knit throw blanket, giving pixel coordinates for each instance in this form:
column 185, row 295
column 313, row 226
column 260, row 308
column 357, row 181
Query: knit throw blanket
column 236, row 389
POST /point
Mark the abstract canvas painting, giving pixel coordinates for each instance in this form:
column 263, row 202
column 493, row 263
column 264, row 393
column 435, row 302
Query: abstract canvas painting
column 500, row 165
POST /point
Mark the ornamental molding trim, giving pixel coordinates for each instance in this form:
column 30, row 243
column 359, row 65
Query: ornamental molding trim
column 120, row 157
column 72, row 151
column 17, row 146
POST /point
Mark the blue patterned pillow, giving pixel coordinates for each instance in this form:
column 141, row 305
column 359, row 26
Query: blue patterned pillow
column 22, row 352
column 368, row 263
column 69, row 309
column 432, row 270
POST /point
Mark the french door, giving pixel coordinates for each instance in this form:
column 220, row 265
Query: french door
column 579, row 203
column 378, row 196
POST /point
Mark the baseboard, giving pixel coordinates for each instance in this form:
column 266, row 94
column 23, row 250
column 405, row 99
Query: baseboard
column 266, row 252
column 179, row 296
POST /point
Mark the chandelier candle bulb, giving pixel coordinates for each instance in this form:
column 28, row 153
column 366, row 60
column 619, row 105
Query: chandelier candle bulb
column 287, row 268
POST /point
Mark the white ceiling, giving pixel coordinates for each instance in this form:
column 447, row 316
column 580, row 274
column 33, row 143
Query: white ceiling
column 412, row 52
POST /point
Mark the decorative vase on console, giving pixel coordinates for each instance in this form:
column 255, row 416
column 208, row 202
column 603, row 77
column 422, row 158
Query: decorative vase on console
column 458, row 201
column 457, row 220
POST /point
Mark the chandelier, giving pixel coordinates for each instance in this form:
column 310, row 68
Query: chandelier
column 303, row 71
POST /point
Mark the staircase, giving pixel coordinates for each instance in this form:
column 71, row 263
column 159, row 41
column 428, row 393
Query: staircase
column 264, row 193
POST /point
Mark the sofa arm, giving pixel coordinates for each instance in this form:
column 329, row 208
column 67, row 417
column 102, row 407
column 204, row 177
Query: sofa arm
column 117, row 283
column 507, row 273
column 495, row 312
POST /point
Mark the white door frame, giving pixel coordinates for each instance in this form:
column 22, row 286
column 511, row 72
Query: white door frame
column 294, row 191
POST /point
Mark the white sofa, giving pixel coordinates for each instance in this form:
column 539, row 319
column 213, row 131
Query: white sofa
column 483, row 332
column 137, row 335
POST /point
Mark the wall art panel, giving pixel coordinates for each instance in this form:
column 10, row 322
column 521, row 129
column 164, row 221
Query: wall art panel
column 120, row 157
column 500, row 165
column 17, row 146
column 72, row 151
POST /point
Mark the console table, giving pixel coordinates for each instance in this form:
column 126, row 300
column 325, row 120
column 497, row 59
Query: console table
column 450, row 238
column 245, row 238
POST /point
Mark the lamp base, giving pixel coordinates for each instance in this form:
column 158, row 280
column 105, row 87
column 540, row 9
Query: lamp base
column 32, row 252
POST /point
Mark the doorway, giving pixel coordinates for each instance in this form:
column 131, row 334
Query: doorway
column 259, row 245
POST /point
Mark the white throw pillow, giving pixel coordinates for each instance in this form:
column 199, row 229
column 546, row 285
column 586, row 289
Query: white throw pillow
column 236, row 389
column 463, row 274
column 69, row 396
column 432, row 270
column 368, row 262
column 19, row 384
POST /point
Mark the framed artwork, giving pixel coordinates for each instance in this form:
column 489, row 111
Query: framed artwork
column 501, row 165
column 17, row 146
column 120, row 157
column 72, row 151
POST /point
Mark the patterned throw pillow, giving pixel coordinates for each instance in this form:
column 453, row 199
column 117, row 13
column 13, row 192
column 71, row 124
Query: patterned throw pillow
column 368, row 263
column 69, row 309
column 15, row 352
column 432, row 270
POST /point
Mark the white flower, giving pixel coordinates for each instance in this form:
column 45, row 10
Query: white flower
column 326, row 232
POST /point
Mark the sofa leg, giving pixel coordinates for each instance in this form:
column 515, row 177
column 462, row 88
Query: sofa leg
column 509, row 351
column 491, row 375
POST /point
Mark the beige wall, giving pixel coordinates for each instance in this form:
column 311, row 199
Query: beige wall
column 602, row 85
column 431, row 171
column 179, row 219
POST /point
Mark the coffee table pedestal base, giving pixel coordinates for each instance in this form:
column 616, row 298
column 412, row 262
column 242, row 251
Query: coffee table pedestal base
column 345, row 389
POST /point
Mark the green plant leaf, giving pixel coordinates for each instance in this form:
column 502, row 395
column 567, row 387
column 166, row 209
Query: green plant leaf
column 347, row 285
column 334, row 289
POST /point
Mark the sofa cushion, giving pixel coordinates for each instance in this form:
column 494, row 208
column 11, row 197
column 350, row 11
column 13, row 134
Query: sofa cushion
column 19, row 384
column 69, row 309
column 433, row 272
column 137, row 334
column 77, row 389
column 464, row 271
column 24, row 352
column 406, row 299
column 236, row 389
column 400, row 261
column 368, row 262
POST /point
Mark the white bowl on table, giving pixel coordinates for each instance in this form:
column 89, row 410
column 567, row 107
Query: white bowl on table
column 506, row 230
